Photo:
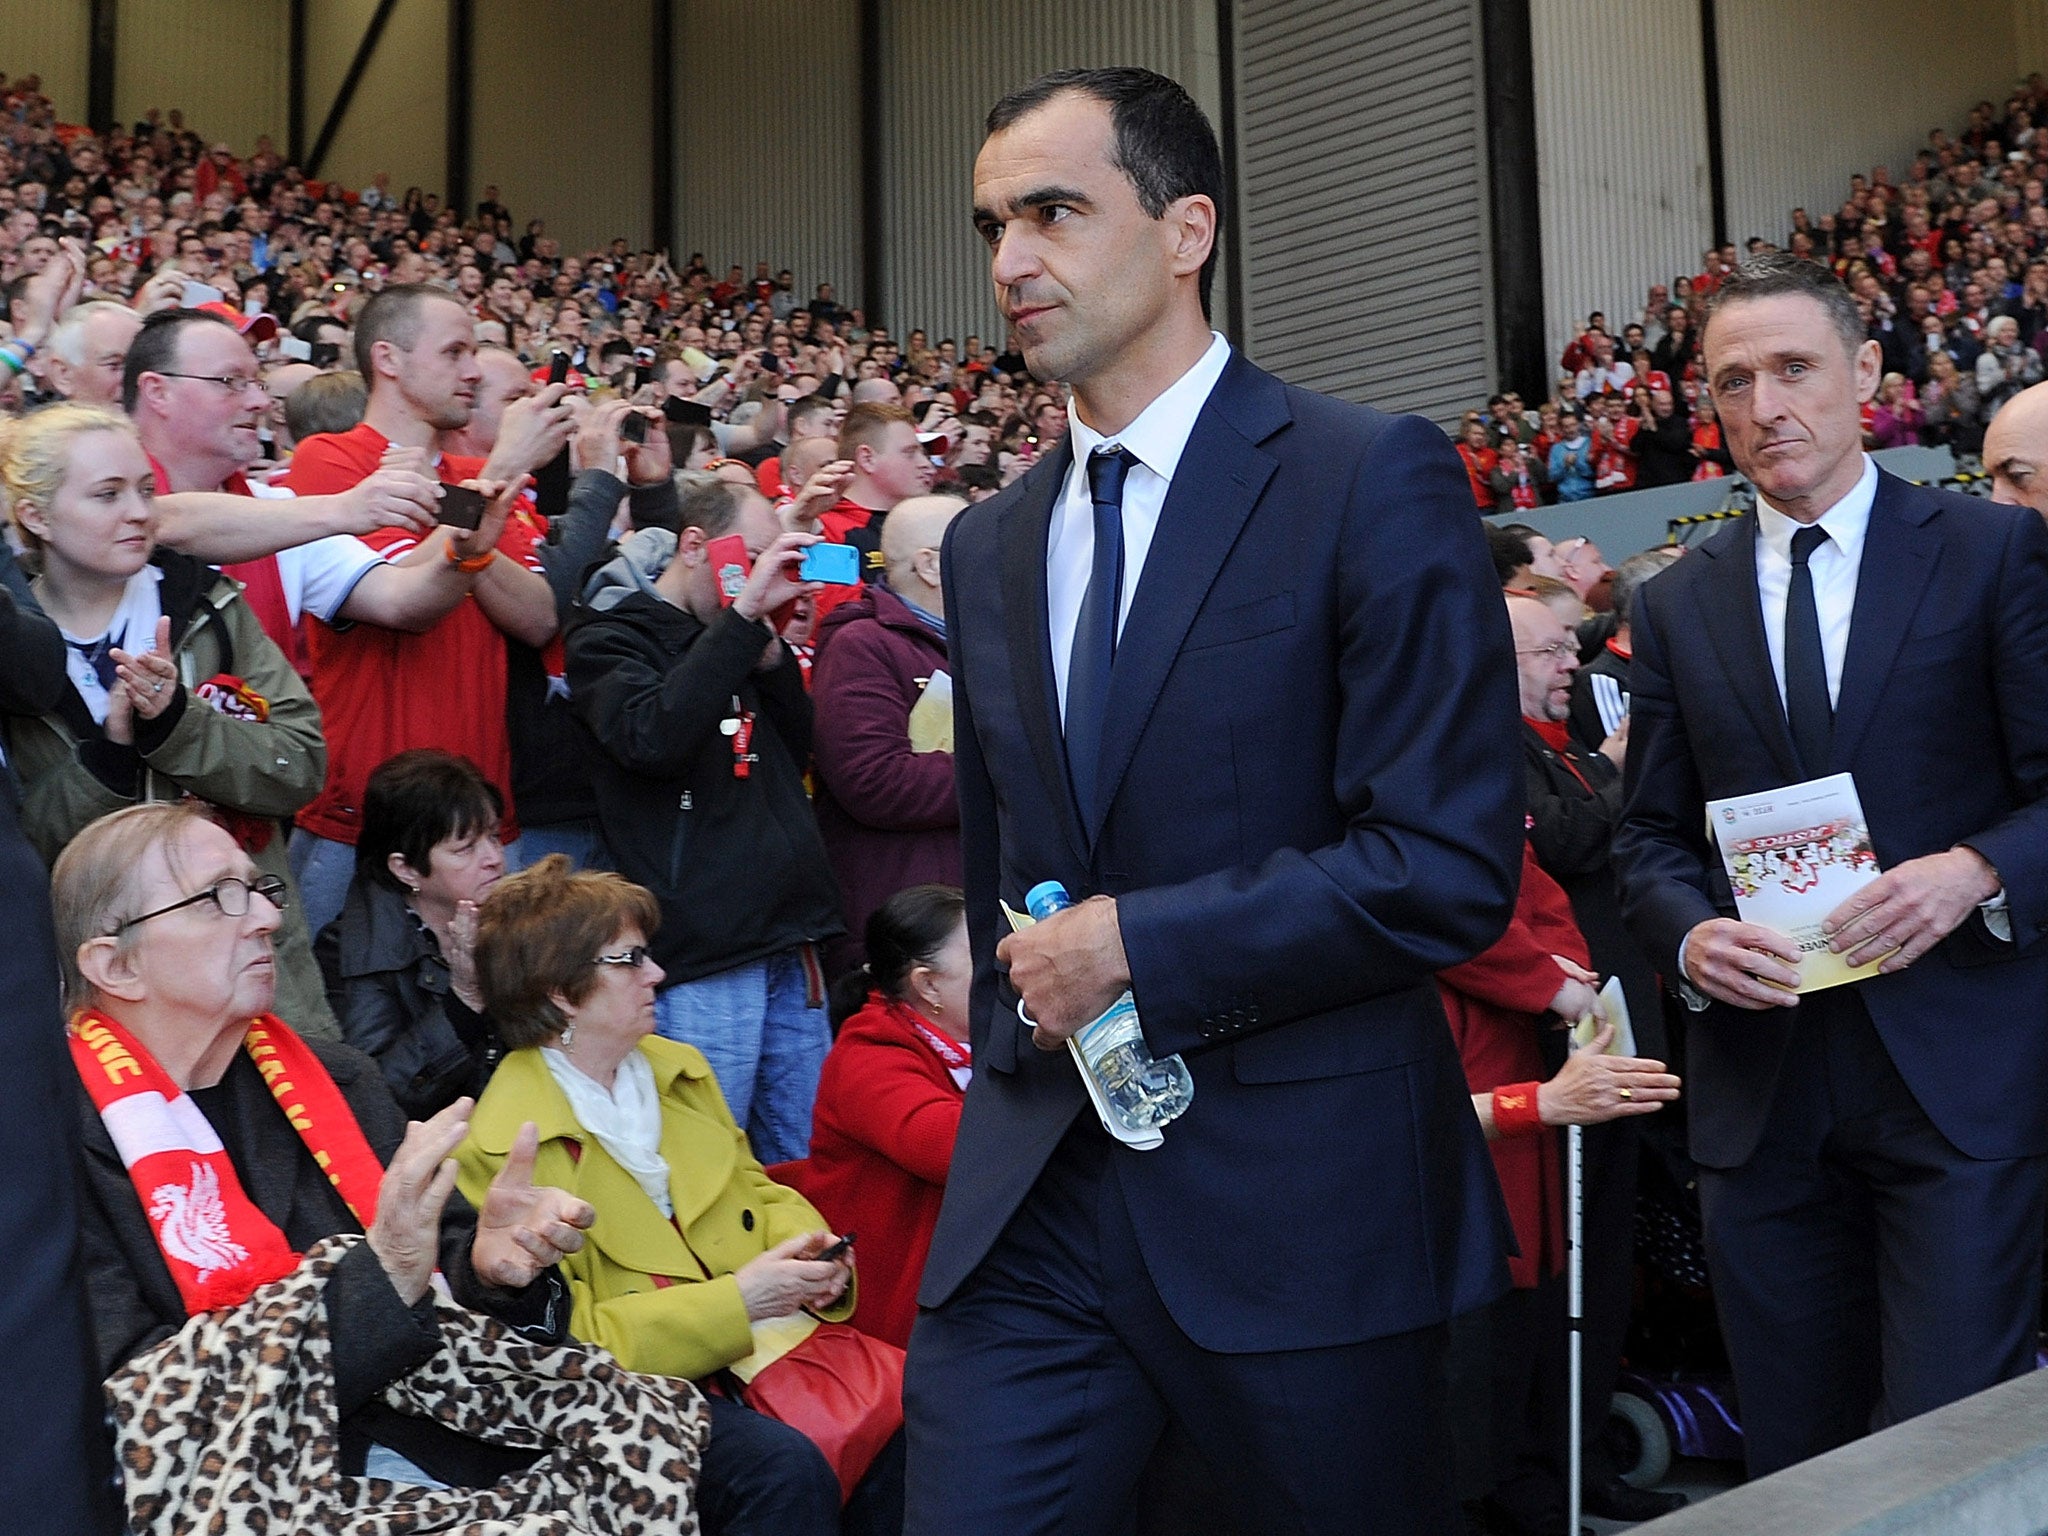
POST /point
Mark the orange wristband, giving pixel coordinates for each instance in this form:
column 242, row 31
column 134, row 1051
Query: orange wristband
column 1514, row 1109
column 473, row 564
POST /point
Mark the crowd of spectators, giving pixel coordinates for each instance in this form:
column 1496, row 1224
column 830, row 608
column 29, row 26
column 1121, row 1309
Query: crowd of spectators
column 1949, row 270
column 464, row 582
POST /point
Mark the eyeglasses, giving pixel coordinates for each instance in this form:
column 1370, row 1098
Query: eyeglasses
column 1557, row 652
column 230, row 894
column 234, row 384
column 632, row 959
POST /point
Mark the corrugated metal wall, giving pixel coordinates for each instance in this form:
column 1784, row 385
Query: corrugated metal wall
column 561, row 122
column 768, row 138
column 221, row 61
column 1621, row 154
column 50, row 38
column 945, row 63
column 1363, row 190
column 397, row 122
column 1811, row 93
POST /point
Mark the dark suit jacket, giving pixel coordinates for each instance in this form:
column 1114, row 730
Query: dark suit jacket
column 50, row 1445
column 1943, row 719
column 134, row 1302
column 1306, row 814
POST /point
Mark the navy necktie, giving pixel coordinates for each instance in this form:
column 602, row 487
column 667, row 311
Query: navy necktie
column 1808, row 709
column 1095, row 630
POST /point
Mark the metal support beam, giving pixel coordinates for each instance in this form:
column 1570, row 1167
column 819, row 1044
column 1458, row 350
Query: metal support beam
column 364, row 51
column 103, row 28
column 461, row 100
column 1717, row 165
column 1507, row 53
column 661, row 119
column 1232, row 211
column 295, row 84
column 873, row 245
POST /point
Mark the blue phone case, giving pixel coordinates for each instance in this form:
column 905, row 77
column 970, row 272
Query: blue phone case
column 835, row 563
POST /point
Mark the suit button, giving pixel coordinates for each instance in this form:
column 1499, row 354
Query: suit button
column 747, row 1220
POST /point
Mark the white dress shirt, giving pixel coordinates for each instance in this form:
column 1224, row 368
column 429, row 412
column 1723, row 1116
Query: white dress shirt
column 1834, row 565
column 1156, row 439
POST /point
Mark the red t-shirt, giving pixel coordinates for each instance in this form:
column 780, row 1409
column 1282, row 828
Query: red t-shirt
column 383, row 691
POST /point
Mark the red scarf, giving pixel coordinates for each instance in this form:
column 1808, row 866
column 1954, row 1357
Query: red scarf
column 1557, row 735
column 217, row 1245
column 953, row 1053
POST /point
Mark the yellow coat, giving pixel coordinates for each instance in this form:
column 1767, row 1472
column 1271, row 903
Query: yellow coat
column 728, row 1211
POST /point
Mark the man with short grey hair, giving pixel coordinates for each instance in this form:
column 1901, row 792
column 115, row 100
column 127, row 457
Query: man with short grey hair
column 87, row 350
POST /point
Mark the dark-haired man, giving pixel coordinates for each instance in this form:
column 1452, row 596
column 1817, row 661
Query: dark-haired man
column 1873, row 1194
column 1277, row 832
column 381, row 691
column 705, row 729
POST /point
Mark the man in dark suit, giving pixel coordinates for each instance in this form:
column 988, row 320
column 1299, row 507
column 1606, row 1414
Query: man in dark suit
column 1283, row 827
column 1873, row 1175
column 53, row 1456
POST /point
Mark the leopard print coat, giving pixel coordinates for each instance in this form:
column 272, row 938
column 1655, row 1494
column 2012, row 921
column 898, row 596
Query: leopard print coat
column 230, row 1427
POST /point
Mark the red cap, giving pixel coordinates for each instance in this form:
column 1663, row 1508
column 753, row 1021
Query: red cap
column 257, row 327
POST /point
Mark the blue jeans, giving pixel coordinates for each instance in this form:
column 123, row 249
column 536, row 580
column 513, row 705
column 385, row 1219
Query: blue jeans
column 581, row 840
column 766, row 1044
column 321, row 869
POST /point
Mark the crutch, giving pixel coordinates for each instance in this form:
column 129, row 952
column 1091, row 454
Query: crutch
column 1575, row 1308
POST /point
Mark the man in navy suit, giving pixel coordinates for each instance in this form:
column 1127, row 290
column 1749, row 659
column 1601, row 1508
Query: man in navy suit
column 1873, row 1176
column 55, row 1457
column 1231, row 665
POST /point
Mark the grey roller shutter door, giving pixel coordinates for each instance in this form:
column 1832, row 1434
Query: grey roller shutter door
column 1362, row 187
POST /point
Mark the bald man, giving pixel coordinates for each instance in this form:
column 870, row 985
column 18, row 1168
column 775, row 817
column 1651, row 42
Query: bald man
column 887, row 813
column 2016, row 450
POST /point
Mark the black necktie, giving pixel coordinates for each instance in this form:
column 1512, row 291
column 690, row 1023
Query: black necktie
column 1095, row 630
column 1807, row 706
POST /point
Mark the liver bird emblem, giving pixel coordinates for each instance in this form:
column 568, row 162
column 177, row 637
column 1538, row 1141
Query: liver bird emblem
column 191, row 1223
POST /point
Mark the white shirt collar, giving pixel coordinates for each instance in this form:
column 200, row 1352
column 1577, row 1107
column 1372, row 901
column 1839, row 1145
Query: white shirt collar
column 1845, row 523
column 1159, row 435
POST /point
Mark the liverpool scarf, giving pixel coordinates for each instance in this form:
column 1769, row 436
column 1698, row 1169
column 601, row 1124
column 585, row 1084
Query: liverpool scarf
column 217, row 1245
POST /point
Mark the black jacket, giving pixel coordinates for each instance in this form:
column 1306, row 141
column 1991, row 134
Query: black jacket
column 134, row 1302
column 388, row 987
column 551, row 751
column 1572, row 817
column 736, row 862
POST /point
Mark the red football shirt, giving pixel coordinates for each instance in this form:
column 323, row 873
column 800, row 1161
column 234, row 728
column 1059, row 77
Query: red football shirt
column 384, row 691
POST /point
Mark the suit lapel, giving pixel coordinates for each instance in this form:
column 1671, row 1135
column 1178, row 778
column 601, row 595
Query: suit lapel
column 1022, row 539
column 1221, row 475
column 1899, row 555
column 1733, row 617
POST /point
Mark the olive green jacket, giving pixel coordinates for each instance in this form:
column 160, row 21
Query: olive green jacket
column 257, row 771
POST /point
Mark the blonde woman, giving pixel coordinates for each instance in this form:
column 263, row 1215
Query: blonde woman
column 175, row 691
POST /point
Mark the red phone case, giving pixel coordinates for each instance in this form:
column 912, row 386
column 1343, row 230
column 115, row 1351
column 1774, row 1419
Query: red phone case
column 729, row 563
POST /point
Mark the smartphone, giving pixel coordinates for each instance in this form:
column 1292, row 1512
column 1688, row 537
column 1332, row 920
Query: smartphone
column 838, row 564
column 295, row 349
column 460, row 507
column 558, row 368
column 838, row 1249
column 197, row 294
column 634, row 428
column 729, row 565
column 686, row 413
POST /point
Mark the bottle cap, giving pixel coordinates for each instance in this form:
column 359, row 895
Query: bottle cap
column 1046, row 897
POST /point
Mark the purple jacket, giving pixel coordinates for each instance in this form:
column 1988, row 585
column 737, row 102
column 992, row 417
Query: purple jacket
column 888, row 815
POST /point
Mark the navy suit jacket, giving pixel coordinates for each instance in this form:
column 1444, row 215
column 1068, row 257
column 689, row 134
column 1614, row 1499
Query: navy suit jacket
column 1942, row 716
column 1312, row 802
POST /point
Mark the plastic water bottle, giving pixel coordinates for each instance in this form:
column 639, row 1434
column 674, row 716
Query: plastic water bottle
column 1142, row 1092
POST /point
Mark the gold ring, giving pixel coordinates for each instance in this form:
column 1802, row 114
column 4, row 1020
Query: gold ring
column 1628, row 1093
